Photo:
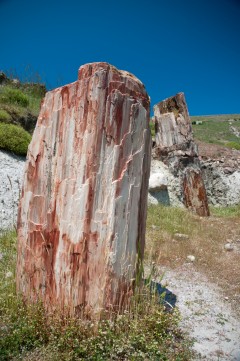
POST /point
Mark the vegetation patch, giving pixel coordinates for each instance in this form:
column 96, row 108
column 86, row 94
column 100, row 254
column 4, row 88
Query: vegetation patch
column 202, row 237
column 217, row 129
column 11, row 95
column 144, row 332
column 4, row 116
column 234, row 145
column 152, row 128
column 20, row 102
column 229, row 211
column 14, row 139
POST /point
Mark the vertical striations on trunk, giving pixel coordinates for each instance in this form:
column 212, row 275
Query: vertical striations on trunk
column 82, row 214
column 176, row 148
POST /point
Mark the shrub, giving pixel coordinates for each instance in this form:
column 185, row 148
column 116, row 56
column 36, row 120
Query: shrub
column 14, row 96
column 4, row 116
column 14, row 138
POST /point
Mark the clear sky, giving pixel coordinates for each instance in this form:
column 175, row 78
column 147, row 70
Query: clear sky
column 171, row 46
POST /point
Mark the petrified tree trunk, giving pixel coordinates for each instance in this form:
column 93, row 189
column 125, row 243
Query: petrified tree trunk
column 176, row 148
column 81, row 223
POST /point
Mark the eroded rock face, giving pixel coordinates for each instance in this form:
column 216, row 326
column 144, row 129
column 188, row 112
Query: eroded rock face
column 81, row 221
column 176, row 149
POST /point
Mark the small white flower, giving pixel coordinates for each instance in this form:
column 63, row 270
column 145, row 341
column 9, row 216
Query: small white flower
column 8, row 274
column 1, row 256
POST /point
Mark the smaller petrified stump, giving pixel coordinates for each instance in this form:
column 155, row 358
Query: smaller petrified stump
column 176, row 148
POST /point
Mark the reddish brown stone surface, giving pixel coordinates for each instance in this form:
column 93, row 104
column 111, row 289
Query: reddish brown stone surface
column 194, row 192
column 81, row 222
column 175, row 147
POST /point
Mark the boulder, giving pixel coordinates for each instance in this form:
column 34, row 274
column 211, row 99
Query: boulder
column 157, row 182
column 82, row 213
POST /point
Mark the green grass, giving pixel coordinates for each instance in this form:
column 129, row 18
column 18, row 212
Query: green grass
column 10, row 95
column 20, row 104
column 171, row 219
column 144, row 332
column 216, row 130
column 229, row 211
column 14, row 139
column 4, row 116
column 215, row 118
column 233, row 145
column 21, row 101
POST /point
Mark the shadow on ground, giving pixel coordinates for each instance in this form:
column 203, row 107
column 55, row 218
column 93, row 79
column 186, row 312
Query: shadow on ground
column 168, row 298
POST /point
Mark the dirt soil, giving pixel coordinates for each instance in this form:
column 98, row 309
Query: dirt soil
column 207, row 289
column 206, row 313
column 226, row 155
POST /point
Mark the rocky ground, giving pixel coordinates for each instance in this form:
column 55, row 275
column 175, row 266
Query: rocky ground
column 221, row 173
column 206, row 314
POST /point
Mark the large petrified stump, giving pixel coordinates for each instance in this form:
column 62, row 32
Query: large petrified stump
column 82, row 214
column 175, row 148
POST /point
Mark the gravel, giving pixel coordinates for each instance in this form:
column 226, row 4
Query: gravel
column 206, row 314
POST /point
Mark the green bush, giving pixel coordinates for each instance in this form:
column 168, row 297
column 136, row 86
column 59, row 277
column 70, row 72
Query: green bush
column 4, row 116
column 14, row 96
column 233, row 145
column 14, row 138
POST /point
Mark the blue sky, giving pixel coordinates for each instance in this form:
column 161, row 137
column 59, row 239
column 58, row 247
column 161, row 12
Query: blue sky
column 179, row 45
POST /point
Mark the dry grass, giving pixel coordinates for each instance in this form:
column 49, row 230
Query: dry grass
column 207, row 237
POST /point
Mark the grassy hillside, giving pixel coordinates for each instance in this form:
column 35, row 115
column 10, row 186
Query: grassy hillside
column 19, row 109
column 217, row 129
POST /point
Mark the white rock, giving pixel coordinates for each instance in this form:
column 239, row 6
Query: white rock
column 191, row 258
column 173, row 185
column 9, row 274
column 181, row 236
column 228, row 247
column 157, row 182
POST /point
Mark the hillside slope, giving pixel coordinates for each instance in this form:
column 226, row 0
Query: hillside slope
column 19, row 109
column 223, row 130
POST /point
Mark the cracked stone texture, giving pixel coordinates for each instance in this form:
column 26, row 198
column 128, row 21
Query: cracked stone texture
column 176, row 149
column 81, row 220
